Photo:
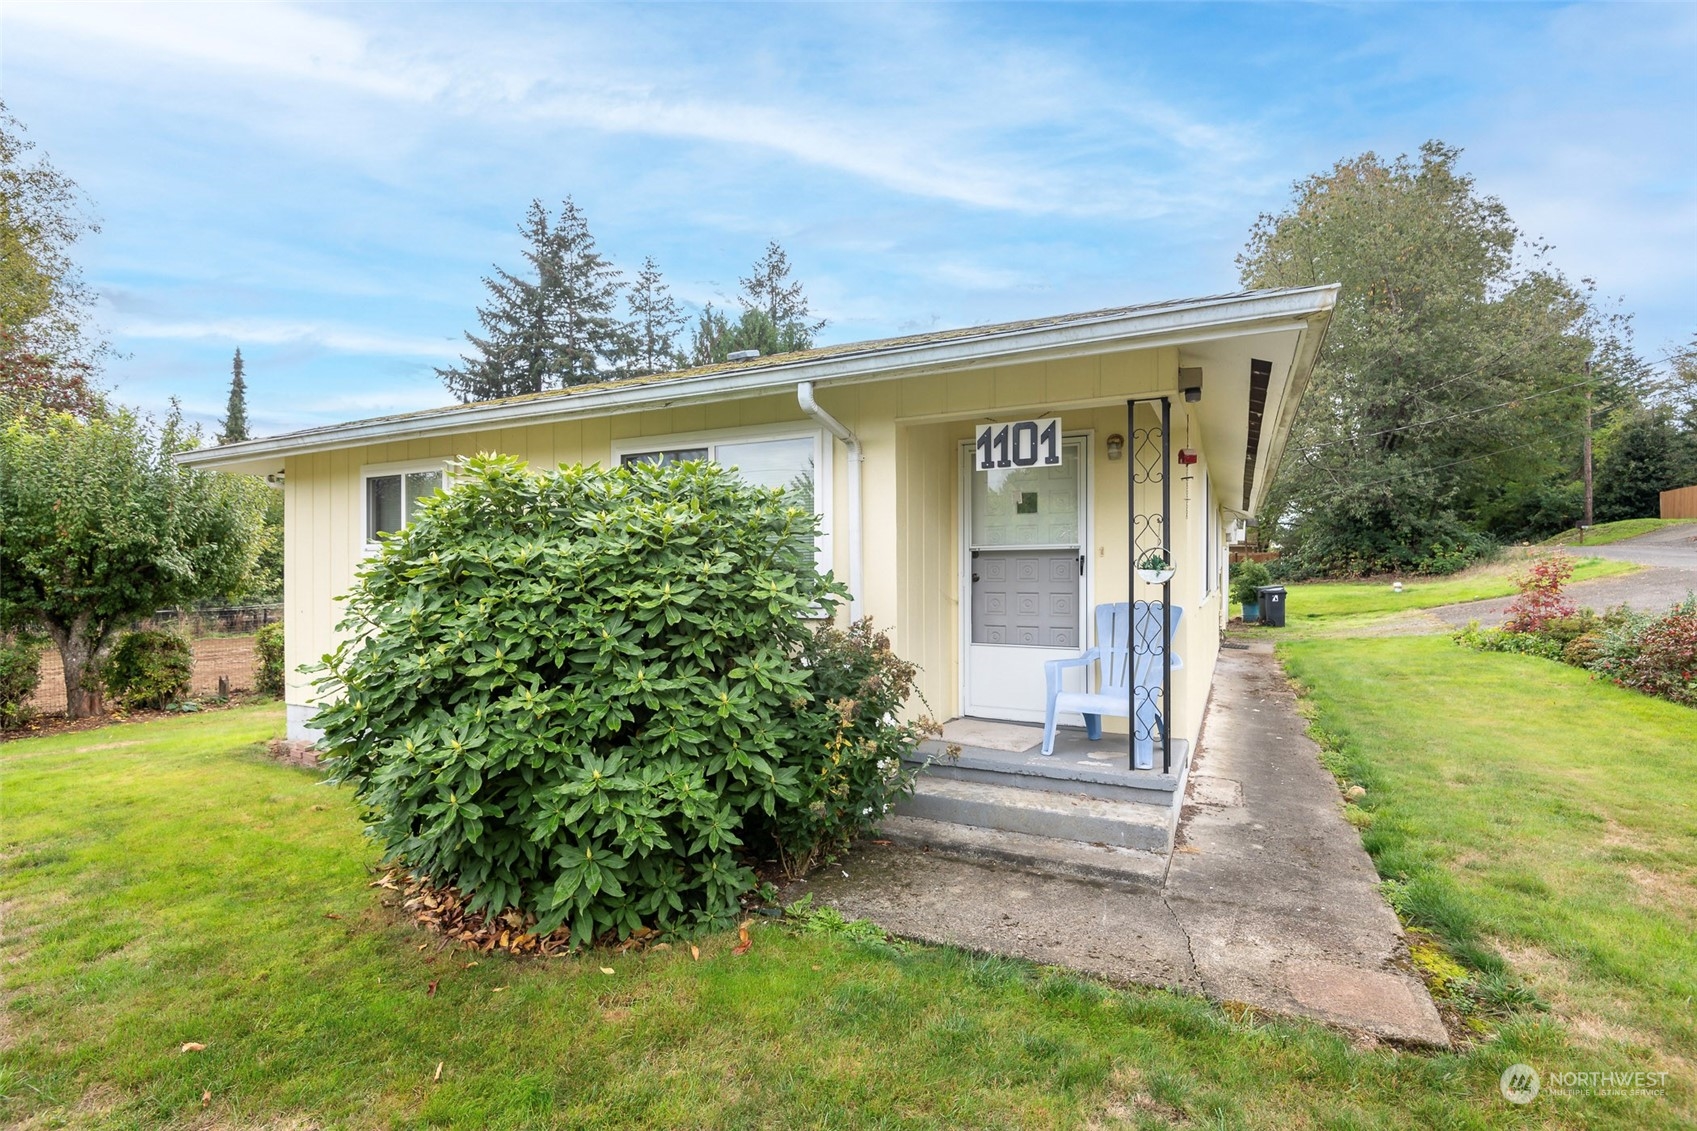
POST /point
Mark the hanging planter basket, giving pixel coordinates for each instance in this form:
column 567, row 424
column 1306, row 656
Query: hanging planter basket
column 1156, row 569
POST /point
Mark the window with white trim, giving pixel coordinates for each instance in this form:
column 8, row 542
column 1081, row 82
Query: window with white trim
column 390, row 495
column 793, row 461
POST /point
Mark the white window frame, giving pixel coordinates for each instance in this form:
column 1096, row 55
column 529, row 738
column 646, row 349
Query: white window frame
column 824, row 459
column 1210, row 538
column 383, row 470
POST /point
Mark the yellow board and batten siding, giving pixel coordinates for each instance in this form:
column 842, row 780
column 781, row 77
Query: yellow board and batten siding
column 911, row 430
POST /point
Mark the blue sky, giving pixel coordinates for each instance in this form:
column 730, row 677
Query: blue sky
column 324, row 186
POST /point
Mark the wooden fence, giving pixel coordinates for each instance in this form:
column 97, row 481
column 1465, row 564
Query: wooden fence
column 223, row 640
column 228, row 620
column 1681, row 502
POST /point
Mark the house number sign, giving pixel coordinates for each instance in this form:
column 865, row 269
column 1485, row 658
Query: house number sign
column 1024, row 443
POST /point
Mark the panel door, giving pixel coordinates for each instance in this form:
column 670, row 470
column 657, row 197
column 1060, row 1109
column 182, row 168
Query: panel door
column 1025, row 582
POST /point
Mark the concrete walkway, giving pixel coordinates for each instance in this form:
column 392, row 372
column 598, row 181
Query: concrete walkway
column 1269, row 899
column 1670, row 555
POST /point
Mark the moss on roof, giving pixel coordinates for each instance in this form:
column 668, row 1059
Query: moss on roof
column 772, row 361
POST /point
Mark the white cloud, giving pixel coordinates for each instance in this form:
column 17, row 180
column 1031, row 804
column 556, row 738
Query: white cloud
column 984, row 131
column 275, row 333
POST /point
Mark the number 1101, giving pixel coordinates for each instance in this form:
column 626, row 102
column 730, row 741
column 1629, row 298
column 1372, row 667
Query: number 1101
column 1025, row 443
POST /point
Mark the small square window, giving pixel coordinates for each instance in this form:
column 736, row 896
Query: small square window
column 391, row 501
column 1027, row 503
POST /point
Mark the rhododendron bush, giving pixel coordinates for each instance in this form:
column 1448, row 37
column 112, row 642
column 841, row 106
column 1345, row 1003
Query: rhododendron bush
column 588, row 695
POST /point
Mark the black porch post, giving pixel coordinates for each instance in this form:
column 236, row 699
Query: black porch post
column 1131, row 582
column 1166, row 587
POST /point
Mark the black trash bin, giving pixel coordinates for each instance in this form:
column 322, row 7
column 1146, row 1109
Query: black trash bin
column 1272, row 599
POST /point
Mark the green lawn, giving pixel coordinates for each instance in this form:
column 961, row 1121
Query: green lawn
column 1542, row 824
column 1605, row 532
column 165, row 883
column 1345, row 604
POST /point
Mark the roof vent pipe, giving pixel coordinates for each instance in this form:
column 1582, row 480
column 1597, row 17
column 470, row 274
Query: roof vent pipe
column 804, row 397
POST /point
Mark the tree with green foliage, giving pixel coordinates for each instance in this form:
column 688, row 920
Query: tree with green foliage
column 48, row 358
column 710, row 342
column 770, row 291
column 100, row 526
column 656, row 319
column 1638, row 457
column 776, row 317
column 263, row 582
column 233, row 429
column 1450, row 392
column 554, row 326
column 590, row 695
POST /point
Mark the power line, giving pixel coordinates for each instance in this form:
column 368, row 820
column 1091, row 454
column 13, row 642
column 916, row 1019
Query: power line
column 1357, row 487
column 1442, row 419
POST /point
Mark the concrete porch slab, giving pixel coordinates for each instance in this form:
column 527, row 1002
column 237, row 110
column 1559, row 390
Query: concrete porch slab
column 1268, row 899
column 1108, row 756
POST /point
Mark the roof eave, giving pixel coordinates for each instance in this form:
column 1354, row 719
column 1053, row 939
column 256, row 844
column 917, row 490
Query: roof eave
column 1173, row 324
column 1296, row 385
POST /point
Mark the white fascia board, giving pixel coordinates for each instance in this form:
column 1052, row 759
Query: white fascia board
column 1174, row 324
column 1290, row 398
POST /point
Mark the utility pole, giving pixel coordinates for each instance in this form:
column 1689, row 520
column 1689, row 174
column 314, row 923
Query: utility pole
column 1587, row 471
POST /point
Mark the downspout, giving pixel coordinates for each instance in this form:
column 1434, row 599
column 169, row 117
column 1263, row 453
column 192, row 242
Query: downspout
column 804, row 397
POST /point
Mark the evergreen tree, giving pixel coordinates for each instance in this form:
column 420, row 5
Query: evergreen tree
column 552, row 329
column 710, row 344
column 234, row 428
column 771, row 291
column 656, row 319
column 591, row 339
column 1638, row 459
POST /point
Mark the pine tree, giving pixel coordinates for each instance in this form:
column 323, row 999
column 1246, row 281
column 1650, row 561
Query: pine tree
column 553, row 329
column 771, row 291
column 514, row 356
column 591, row 338
column 710, row 344
column 233, row 428
column 656, row 318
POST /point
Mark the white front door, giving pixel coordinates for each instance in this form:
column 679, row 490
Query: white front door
column 1023, row 586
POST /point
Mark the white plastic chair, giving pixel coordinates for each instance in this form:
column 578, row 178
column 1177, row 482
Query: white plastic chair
column 1112, row 658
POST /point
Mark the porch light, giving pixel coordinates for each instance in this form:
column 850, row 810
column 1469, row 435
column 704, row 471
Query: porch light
column 1116, row 446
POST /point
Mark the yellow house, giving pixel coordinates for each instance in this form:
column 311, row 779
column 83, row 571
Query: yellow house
column 981, row 490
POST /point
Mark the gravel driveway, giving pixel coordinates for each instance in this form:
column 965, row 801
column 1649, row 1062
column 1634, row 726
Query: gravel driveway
column 1670, row 553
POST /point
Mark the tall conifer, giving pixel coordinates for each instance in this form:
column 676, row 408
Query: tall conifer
column 551, row 329
column 233, row 428
column 656, row 318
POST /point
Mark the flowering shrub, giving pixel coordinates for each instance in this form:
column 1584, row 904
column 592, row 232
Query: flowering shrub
column 1653, row 654
column 855, row 758
column 583, row 695
column 1666, row 661
column 1541, row 599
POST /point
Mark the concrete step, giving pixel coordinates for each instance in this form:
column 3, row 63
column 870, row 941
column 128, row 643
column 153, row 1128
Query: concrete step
column 1045, row 813
column 1098, row 863
column 1108, row 782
